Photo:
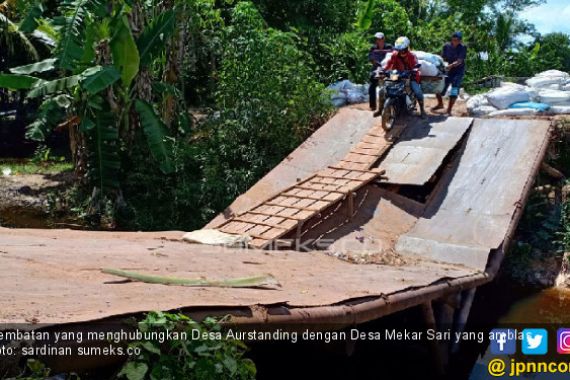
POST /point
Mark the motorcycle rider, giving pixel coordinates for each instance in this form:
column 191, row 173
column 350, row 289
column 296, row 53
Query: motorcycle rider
column 376, row 55
column 454, row 53
column 404, row 60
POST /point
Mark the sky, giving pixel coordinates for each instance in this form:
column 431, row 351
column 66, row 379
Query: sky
column 552, row 16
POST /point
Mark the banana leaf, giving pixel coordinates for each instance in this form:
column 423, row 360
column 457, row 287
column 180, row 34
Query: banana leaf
column 125, row 52
column 155, row 132
column 263, row 281
column 17, row 81
column 38, row 67
column 51, row 87
column 154, row 36
column 100, row 79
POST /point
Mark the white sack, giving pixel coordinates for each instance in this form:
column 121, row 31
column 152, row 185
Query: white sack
column 553, row 96
column 560, row 109
column 512, row 85
column 482, row 110
column 215, row 237
column 543, row 82
column 514, row 112
column 503, row 97
column 428, row 69
column 434, row 59
column 553, row 73
column 386, row 59
column 476, row 101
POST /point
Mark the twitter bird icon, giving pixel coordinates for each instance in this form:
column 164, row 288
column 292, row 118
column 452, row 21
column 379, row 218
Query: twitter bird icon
column 535, row 342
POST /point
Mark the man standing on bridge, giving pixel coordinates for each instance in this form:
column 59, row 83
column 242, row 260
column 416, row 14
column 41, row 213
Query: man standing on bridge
column 377, row 54
column 454, row 53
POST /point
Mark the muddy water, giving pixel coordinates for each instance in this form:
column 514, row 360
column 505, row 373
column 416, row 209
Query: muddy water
column 551, row 306
column 23, row 217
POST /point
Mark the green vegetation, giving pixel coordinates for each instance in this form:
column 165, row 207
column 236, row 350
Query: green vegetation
column 33, row 167
column 174, row 108
column 36, row 370
column 187, row 359
column 202, row 352
column 543, row 235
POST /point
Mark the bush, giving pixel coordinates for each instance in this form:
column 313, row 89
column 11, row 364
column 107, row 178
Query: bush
column 347, row 58
column 160, row 202
column 187, row 359
column 386, row 16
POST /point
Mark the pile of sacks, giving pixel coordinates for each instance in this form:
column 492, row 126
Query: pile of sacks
column 431, row 64
column 345, row 92
column 547, row 92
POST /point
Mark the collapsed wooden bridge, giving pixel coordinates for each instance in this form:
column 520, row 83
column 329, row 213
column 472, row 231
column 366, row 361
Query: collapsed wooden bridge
column 425, row 216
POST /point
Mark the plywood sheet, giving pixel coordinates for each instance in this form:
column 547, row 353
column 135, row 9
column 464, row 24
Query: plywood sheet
column 54, row 276
column 421, row 149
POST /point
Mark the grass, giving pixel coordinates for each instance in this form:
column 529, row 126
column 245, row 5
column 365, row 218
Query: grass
column 21, row 167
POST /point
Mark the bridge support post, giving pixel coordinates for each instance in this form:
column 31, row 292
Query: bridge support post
column 350, row 205
column 436, row 352
column 462, row 314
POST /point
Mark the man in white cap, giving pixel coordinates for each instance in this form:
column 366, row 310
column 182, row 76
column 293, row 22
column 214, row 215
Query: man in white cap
column 376, row 55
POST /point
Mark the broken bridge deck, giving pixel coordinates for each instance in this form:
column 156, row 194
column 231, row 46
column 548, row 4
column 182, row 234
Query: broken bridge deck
column 51, row 276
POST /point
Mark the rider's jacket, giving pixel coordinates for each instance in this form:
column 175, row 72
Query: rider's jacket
column 408, row 62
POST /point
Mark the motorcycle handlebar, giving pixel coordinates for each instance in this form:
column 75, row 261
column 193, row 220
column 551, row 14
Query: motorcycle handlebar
column 405, row 73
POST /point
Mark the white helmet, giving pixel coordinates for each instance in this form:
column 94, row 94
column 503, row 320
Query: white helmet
column 379, row 36
column 402, row 43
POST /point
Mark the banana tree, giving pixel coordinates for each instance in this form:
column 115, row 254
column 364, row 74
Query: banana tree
column 103, row 92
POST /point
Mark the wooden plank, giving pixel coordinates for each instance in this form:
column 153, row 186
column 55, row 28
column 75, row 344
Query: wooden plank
column 360, row 158
column 259, row 243
column 285, row 201
column 236, row 227
column 260, row 224
column 269, row 215
column 318, row 187
column 270, row 209
column 259, row 229
column 351, row 165
column 273, row 234
column 325, row 187
column 334, row 197
column 366, row 152
column 371, row 146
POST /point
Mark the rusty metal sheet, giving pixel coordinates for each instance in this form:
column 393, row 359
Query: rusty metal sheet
column 54, row 276
column 474, row 204
column 381, row 218
column 421, row 149
column 327, row 146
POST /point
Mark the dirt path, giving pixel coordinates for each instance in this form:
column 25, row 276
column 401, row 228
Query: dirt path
column 30, row 190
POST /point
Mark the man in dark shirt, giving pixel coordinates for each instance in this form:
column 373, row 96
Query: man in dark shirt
column 454, row 53
column 377, row 54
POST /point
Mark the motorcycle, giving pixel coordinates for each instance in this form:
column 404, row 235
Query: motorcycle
column 399, row 97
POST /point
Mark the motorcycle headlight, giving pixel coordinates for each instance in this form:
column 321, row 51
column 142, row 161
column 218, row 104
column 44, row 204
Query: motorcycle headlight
column 394, row 77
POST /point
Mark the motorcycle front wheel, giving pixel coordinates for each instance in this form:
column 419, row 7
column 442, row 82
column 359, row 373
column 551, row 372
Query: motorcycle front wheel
column 388, row 116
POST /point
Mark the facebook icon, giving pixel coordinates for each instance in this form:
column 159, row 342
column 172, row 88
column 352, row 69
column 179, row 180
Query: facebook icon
column 503, row 341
